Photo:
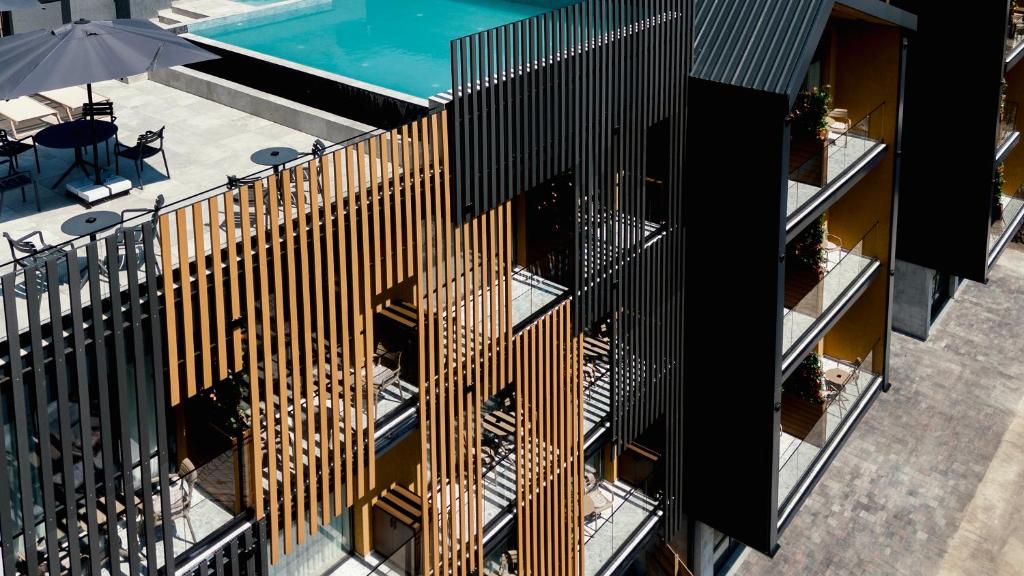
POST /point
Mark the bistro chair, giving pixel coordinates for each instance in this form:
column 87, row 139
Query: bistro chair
column 249, row 183
column 14, row 181
column 148, row 145
column 11, row 148
column 131, row 242
column 99, row 111
column 183, row 485
column 30, row 249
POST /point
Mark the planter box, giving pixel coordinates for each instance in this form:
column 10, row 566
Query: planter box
column 242, row 467
column 808, row 160
column 801, row 418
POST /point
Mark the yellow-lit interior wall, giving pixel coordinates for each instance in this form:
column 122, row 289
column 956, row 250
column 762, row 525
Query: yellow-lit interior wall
column 863, row 70
column 1014, row 162
column 400, row 465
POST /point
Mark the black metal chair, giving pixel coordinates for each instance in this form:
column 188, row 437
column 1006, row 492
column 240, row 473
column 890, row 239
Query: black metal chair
column 30, row 249
column 144, row 148
column 15, row 180
column 131, row 241
column 235, row 183
column 11, row 148
column 101, row 110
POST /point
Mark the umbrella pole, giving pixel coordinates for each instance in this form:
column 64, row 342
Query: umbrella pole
column 95, row 145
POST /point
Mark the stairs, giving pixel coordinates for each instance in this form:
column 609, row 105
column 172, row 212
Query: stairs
column 177, row 18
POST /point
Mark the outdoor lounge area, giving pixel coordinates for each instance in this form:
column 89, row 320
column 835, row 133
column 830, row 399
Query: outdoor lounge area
column 204, row 143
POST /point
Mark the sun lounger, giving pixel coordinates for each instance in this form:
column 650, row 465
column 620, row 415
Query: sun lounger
column 71, row 98
column 24, row 109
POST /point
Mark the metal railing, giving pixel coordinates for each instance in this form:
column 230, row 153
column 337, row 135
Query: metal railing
column 840, row 400
column 1014, row 32
column 842, row 268
column 236, row 548
column 843, row 148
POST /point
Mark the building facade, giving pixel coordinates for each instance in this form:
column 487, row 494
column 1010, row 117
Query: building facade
column 452, row 346
column 958, row 219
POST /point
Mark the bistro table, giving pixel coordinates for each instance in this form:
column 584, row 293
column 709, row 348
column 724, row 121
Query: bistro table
column 91, row 223
column 837, row 377
column 274, row 157
column 76, row 135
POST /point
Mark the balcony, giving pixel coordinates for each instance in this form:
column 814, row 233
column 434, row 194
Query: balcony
column 1006, row 222
column 1008, row 136
column 814, row 303
column 626, row 517
column 811, row 430
column 821, row 177
column 1014, row 37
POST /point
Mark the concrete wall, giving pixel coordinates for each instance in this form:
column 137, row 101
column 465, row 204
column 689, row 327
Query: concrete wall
column 912, row 299
column 306, row 119
column 48, row 16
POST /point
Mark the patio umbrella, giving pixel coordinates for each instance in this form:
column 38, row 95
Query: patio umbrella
column 84, row 52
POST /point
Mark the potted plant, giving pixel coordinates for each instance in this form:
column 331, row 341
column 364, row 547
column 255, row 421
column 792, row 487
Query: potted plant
column 808, row 157
column 803, row 403
column 997, row 193
column 231, row 417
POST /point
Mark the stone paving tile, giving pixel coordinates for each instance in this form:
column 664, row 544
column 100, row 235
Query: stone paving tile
column 898, row 492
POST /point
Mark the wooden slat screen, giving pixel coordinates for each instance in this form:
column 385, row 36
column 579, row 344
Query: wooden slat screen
column 79, row 401
column 464, row 273
column 549, row 445
column 277, row 282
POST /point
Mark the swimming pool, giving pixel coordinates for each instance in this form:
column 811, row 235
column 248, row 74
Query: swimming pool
column 401, row 45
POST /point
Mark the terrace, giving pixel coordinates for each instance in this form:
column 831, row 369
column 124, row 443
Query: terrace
column 1006, row 222
column 611, row 535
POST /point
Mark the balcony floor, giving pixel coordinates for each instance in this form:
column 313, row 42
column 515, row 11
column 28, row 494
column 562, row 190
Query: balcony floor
column 604, row 537
column 1012, row 207
column 844, row 269
column 530, row 293
column 842, row 154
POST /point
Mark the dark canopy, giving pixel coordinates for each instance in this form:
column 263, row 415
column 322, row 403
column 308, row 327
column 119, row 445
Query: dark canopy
column 85, row 52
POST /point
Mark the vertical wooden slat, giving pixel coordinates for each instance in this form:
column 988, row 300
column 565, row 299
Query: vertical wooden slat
column 334, row 431
column 188, row 333
column 277, row 376
column 317, row 204
column 256, row 474
column 344, row 408
column 220, row 315
column 170, row 309
column 373, row 206
column 201, row 287
column 352, row 158
column 236, row 307
column 397, row 199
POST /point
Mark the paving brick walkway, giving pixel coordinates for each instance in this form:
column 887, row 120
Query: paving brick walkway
column 932, row 481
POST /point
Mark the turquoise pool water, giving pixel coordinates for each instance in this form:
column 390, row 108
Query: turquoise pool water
column 402, row 45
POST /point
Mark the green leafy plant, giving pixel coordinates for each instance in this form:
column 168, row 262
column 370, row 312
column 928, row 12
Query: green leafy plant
column 227, row 405
column 808, row 248
column 997, row 193
column 810, row 113
column 805, row 381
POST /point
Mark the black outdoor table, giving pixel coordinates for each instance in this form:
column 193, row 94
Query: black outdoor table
column 92, row 223
column 275, row 157
column 77, row 135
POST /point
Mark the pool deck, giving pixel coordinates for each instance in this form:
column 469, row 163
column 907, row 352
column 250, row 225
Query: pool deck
column 205, row 142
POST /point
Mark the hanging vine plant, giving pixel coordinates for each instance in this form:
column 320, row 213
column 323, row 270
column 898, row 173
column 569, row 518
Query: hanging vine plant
column 810, row 113
column 807, row 250
column 805, row 381
column 997, row 193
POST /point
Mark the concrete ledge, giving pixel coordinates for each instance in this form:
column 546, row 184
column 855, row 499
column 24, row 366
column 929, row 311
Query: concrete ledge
column 329, row 127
